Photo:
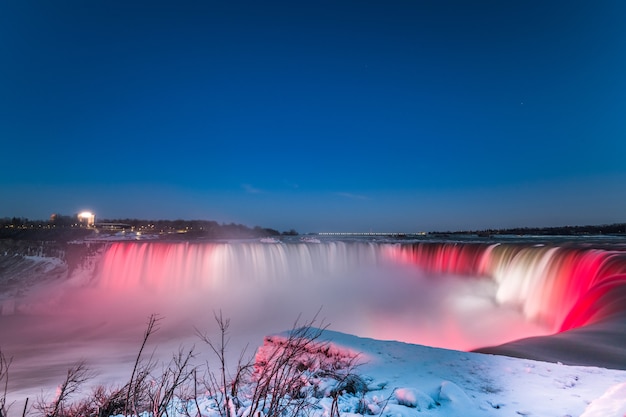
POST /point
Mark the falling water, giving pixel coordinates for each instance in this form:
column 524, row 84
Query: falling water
column 452, row 295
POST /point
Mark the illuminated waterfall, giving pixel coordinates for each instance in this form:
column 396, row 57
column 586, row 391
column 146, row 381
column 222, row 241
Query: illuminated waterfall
column 167, row 266
column 550, row 302
column 557, row 286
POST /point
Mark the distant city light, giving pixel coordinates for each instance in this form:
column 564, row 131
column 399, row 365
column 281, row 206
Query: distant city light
column 87, row 218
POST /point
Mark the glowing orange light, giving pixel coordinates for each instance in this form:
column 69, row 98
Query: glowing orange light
column 87, row 217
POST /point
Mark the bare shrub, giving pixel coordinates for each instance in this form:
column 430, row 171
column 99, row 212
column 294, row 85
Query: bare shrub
column 136, row 395
column 283, row 378
column 286, row 378
column 223, row 387
column 4, row 383
column 137, row 387
column 107, row 401
column 173, row 380
column 77, row 375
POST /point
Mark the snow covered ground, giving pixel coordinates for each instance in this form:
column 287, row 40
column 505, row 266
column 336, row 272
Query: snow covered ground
column 407, row 380
column 439, row 382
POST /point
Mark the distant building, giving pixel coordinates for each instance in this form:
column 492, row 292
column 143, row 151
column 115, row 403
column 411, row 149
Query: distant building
column 113, row 226
column 87, row 219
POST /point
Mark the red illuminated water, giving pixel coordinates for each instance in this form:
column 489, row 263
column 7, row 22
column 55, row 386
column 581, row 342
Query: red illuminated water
column 564, row 288
column 459, row 296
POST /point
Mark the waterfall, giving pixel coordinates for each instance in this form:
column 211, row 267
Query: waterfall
column 461, row 296
column 180, row 266
column 563, row 287
column 446, row 294
column 556, row 286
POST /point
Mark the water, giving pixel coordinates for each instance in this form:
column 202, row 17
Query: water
column 444, row 294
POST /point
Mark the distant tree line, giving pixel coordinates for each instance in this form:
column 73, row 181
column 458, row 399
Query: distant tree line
column 67, row 227
column 605, row 229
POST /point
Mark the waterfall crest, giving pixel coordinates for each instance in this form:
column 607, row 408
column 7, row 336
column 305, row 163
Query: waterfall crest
column 461, row 296
column 561, row 287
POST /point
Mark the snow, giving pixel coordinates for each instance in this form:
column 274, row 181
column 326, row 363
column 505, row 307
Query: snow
column 413, row 398
column 407, row 380
column 425, row 381
column 47, row 263
column 611, row 404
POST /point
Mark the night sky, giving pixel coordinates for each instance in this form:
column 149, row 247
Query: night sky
column 318, row 116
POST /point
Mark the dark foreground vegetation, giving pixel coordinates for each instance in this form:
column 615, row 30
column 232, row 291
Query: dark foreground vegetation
column 286, row 378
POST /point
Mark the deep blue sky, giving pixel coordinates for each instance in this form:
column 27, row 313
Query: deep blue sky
column 318, row 116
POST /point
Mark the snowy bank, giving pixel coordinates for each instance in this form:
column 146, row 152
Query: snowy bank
column 404, row 380
column 424, row 381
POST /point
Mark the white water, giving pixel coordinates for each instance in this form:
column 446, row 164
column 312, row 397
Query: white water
column 360, row 288
column 100, row 316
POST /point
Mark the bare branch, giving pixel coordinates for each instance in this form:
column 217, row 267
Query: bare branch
column 139, row 373
column 77, row 375
column 5, row 364
column 220, row 353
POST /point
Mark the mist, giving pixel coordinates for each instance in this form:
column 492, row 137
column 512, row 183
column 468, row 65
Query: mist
column 100, row 315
